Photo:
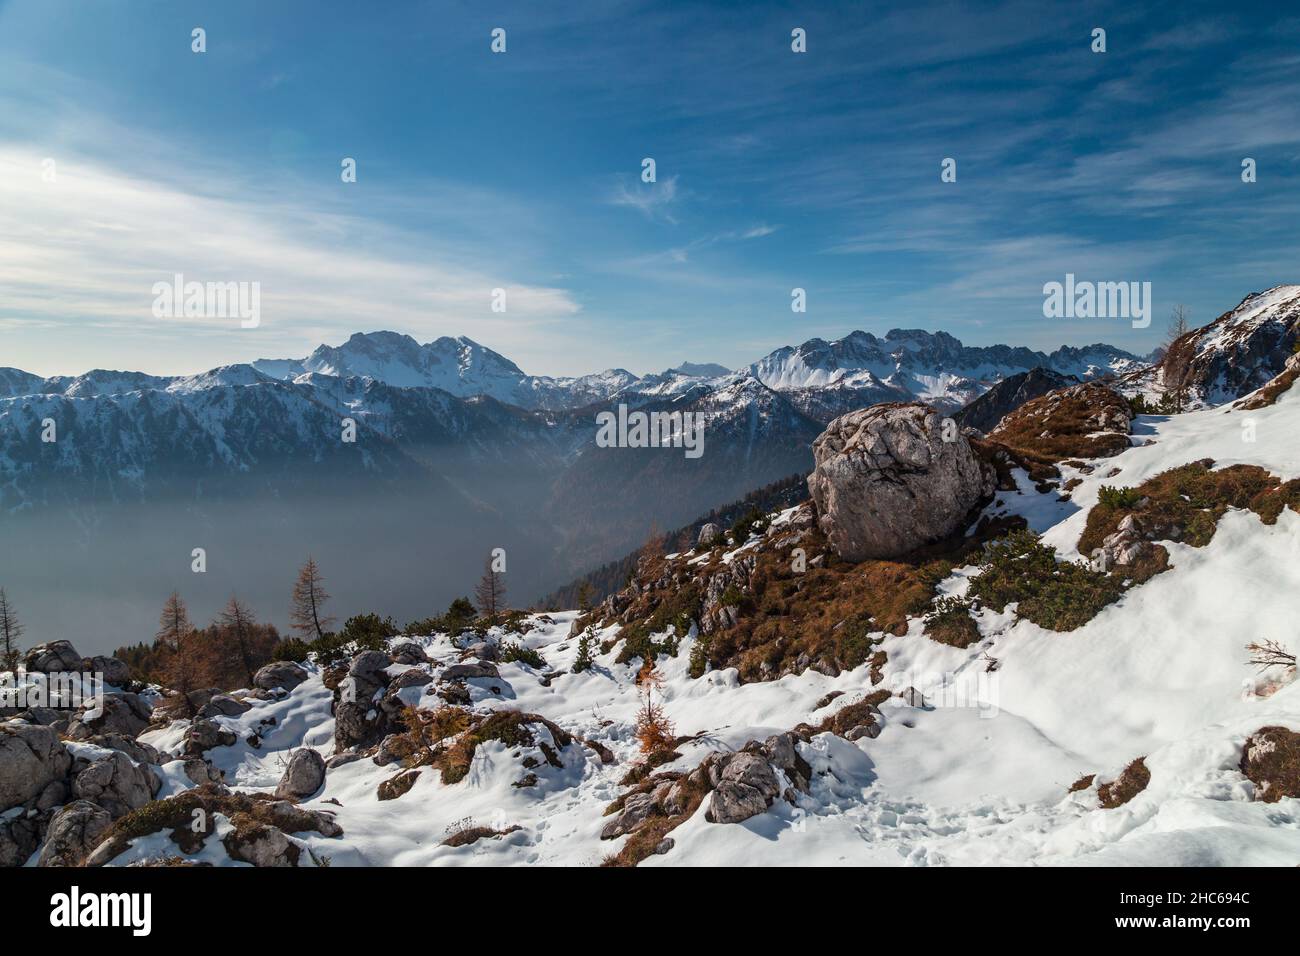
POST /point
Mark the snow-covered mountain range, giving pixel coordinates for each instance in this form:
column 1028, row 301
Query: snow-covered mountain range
column 904, row 364
column 451, row 439
column 1137, row 733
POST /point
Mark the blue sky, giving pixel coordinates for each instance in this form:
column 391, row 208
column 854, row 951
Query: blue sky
column 775, row 170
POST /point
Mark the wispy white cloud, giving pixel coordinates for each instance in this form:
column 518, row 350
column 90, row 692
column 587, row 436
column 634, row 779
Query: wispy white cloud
column 653, row 200
column 83, row 251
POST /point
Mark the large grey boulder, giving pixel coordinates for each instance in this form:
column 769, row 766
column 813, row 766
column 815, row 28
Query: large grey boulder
column 117, row 783
column 279, row 674
column 709, row 533
column 744, row 786
column 303, row 777
column 111, row 670
column 31, row 758
column 74, row 831
column 52, row 657
column 891, row 478
column 357, row 720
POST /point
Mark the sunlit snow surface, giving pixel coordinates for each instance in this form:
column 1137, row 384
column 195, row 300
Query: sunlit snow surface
column 1160, row 675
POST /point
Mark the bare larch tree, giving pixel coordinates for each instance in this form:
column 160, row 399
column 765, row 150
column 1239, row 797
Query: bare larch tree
column 306, row 615
column 10, row 632
column 490, row 594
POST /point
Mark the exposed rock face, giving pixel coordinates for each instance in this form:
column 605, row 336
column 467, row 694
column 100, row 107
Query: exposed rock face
column 117, row 784
column 357, row 719
column 744, row 786
column 137, row 751
column 303, row 777
column 124, row 714
column 1129, row 547
column 746, row 783
column 1279, row 385
column 886, row 481
column 1009, row 394
column 74, row 831
column 1239, row 351
column 718, row 611
column 637, row 808
column 31, row 758
column 393, row 701
column 279, row 674
column 708, row 534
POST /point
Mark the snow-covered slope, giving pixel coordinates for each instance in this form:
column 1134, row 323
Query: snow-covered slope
column 1235, row 354
column 974, row 766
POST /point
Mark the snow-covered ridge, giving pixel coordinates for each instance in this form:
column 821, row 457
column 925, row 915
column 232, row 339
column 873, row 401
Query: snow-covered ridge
column 904, row 364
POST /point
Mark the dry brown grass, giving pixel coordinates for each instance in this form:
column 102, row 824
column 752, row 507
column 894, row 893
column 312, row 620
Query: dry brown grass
column 1132, row 781
column 1271, row 760
column 1269, row 394
column 1064, row 424
column 1186, row 503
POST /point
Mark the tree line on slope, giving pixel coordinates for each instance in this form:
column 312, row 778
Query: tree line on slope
column 228, row 652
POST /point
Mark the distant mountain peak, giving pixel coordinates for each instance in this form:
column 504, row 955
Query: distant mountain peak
column 701, row 370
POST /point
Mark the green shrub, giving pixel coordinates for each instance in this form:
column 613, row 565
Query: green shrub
column 752, row 521
column 699, row 663
column 950, row 622
column 854, row 644
column 1059, row 596
column 368, row 632
column 290, row 649
column 586, row 645
column 514, row 651
column 1121, row 499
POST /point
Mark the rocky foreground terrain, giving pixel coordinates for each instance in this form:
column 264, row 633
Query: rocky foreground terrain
column 1066, row 639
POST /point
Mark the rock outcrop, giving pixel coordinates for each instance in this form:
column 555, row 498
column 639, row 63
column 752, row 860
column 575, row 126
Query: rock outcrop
column 891, row 478
column 31, row 758
column 74, row 831
column 117, row 783
column 125, row 714
column 52, row 657
column 357, row 719
column 1009, row 394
